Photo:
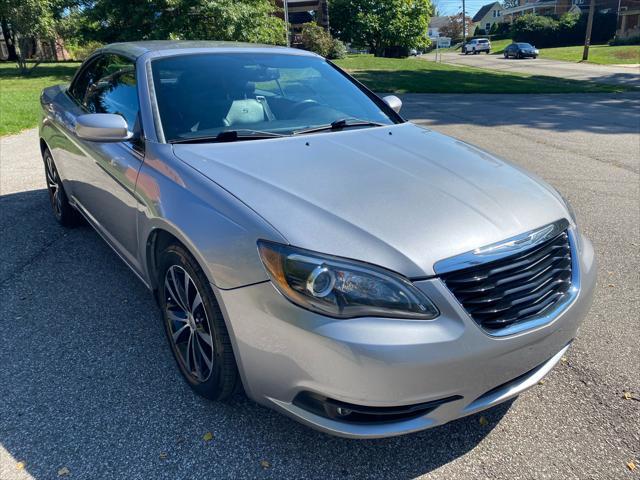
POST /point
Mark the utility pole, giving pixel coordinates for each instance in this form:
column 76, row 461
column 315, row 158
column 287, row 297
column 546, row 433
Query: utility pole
column 286, row 20
column 587, row 38
column 464, row 24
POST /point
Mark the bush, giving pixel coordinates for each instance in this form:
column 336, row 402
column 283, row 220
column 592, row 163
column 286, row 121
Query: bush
column 625, row 41
column 569, row 29
column 479, row 32
column 80, row 52
column 338, row 49
column 316, row 39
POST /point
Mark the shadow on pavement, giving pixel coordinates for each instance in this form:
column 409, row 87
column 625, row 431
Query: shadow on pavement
column 88, row 382
column 604, row 114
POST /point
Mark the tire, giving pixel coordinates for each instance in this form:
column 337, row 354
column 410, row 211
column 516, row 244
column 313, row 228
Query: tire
column 535, row 56
column 195, row 328
column 64, row 213
column 506, row 55
column 488, row 52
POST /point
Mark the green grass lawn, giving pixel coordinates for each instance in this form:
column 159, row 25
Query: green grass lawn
column 19, row 95
column 498, row 46
column 601, row 54
column 423, row 76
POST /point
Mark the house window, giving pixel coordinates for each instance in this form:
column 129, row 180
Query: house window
column 498, row 12
column 487, row 27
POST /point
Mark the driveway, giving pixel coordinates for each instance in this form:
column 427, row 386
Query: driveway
column 88, row 384
column 611, row 74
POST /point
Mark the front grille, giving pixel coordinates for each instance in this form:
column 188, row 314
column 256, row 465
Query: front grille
column 516, row 288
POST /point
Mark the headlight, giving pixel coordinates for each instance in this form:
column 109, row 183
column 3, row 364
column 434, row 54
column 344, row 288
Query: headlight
column 342, row 288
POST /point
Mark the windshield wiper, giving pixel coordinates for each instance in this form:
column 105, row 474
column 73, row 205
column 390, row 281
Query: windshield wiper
column 230, row 136
column 340, row 125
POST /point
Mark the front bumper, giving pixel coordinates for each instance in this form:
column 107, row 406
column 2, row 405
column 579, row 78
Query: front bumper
column 283, row 350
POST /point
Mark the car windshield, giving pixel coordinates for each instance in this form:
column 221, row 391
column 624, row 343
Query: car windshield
column 256, row 94
column 525, row 45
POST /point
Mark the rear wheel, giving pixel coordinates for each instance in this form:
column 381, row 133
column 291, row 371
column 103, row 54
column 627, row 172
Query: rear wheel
column 64, row 213
column 195, row 327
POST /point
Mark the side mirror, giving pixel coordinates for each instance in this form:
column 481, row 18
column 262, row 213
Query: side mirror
column 393, row 102
column 103, row 127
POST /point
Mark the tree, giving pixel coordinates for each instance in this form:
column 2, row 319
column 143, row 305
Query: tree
column 109, row 21
column 382, row 25
column 453, row 28
column 243, row 21
column 27, row 21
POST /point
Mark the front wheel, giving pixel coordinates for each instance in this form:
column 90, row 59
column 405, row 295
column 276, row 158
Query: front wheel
column 64, row 213
column 195, row 326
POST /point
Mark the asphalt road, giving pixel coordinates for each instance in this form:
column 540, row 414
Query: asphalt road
column 87, row 382
column 612, row 74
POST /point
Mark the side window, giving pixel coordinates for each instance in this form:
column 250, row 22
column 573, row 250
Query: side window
column 87, row 77
column 115, row 90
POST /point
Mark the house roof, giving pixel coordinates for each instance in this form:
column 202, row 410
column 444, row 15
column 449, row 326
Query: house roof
column 438, row 22
column 483, row 11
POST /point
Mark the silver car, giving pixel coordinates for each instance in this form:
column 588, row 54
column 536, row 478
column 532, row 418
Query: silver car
column 359, row 273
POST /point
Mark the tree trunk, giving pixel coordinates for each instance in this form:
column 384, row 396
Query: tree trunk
column 9, row 41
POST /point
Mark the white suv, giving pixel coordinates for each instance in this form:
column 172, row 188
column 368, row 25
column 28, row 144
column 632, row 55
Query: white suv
column 477, row 45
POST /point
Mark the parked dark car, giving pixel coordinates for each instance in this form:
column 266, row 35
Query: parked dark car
column 521, row 50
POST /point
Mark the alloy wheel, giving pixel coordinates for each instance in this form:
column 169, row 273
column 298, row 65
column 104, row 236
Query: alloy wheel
column 54, row 186
column 188, row 324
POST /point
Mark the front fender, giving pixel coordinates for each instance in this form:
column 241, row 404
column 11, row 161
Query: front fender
column 217, row 228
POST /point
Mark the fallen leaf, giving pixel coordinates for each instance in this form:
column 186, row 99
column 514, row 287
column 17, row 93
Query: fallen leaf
column 611, row 285
column 483, row 421
column 20, row 466
column 265, row 464
column 564, row 359
column 541, row 382
column 207, row 437
column 627, row 395
column 631, row 466
column 64, row 471
column 163, row 455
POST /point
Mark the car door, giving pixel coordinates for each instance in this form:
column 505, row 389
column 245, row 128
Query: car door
column 104, row 174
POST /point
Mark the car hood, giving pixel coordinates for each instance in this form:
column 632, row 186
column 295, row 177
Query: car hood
column 402, row 196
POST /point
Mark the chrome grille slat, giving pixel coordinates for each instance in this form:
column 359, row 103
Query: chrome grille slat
column 515, row 288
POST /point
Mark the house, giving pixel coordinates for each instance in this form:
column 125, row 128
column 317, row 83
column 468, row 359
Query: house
column 628, row 19
column 34, row 47
column 304, row 11
column 435, row 25
column 540, row 7
column 488, row 15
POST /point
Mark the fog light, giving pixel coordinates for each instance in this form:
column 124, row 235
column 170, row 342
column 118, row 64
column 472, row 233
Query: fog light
column 343, row 412
column 320, row 282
